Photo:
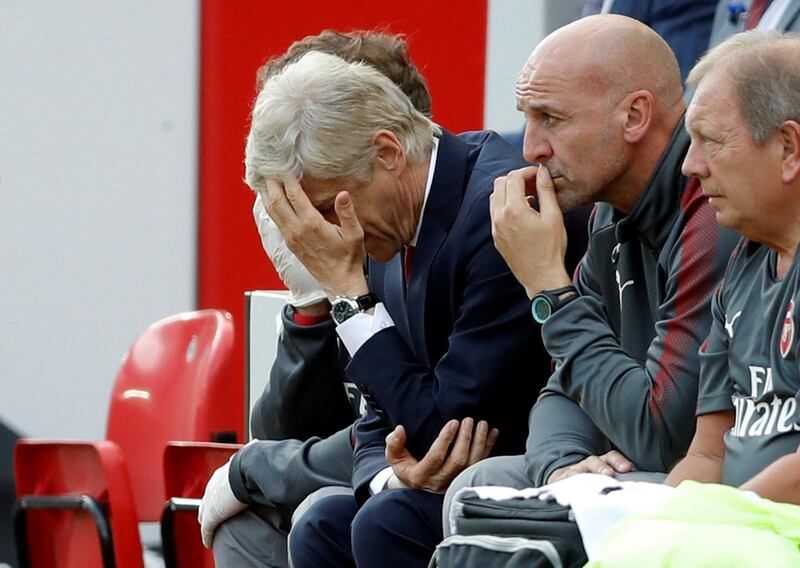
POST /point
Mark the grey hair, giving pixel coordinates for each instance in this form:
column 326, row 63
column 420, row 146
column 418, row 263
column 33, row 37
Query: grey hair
column 764, row 67
column 318, row 116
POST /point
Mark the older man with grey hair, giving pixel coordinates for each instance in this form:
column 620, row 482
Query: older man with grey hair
column 744, row 123
column 435, row 331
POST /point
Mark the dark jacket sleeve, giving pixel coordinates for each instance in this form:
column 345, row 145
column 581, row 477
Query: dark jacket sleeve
column 564, row 435
column 369, row 454
column 305, row 395
column 272, row 472
column 645, row 408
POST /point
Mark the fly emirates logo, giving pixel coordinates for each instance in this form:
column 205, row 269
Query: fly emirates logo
column 763, row 418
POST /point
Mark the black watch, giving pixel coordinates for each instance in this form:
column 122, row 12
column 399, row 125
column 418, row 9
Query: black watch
column 547, row 302
column 345, row 307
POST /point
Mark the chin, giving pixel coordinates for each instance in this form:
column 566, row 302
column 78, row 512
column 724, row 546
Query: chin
column 380, row 257
column 569, row 199
column 381, row 252
column 727, row 220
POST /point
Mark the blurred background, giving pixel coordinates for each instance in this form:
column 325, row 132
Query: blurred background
column 122, row 128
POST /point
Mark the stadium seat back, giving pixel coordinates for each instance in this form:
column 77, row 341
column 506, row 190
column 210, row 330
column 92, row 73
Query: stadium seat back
column 79, row 478
column 166, row 390
column 187, row 467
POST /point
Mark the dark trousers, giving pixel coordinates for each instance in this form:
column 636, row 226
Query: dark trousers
column 396, row 527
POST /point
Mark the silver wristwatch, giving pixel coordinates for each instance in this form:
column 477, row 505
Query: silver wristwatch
column 345, row 307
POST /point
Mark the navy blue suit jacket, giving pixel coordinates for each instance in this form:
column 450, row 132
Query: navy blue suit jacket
column 464, row 343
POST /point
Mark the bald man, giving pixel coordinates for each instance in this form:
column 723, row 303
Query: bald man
column 604, row 108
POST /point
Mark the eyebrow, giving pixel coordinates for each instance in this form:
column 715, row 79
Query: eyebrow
column 702, row 129
column 538, row 107
column 686, row 116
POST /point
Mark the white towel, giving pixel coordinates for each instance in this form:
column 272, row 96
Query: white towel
column 597, row 501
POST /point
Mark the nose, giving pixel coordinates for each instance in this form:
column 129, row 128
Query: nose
column 535, row 146
column 694, row 164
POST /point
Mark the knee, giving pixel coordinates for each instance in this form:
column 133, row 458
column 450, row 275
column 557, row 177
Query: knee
column 486, row 472
column 482, row 473
column 404, row 523
column 371, row 519
column 231, row 532
column 382, row 521
column 473, row 476
column 318, row 520
column 370, row 527
column 248, row 540
column 508, row 471
column 322, row 532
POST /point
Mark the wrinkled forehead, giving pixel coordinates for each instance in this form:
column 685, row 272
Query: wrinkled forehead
column 545, row 75
column 536, row 67
column 713, row 100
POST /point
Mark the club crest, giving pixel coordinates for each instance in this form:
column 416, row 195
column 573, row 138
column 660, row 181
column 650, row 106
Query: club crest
column 787, row 333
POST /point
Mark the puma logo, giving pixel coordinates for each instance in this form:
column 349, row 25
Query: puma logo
column 622, row 287
column 729, row 323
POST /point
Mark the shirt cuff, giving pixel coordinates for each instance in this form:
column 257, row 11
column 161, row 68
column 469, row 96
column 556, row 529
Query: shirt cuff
column 357, row 330
column 378, row 482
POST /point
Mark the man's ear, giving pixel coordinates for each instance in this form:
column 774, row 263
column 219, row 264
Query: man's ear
column 789, row 137
column 638, row 109
column 391, row 154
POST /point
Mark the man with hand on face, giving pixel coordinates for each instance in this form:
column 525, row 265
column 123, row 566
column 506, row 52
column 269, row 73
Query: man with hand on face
column 744, row 122
column 604, row 107
column 304, row 396
column 346, row 166
column 303, row 420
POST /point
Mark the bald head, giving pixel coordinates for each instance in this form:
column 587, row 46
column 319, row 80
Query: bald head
column 615, row 55
column 602, row 97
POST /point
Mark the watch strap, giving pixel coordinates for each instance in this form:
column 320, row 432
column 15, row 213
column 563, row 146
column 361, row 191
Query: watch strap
column 345, row 307
column 556, row 295
column 366, row 301
column 556, row 299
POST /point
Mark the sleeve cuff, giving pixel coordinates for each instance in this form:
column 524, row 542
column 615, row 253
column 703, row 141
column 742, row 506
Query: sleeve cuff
column 714, row 403
column 236, row 480
column 378, row 482
column 357, row 330
column 304, row 320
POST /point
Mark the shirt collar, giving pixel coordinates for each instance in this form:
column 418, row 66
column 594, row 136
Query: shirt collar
column 431, row 168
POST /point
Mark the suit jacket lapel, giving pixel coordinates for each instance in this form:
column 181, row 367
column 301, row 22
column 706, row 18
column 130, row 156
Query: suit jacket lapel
column 441, row 210
column 394, row 293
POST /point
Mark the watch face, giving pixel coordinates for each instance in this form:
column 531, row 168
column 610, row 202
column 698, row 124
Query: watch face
column 342, row 310
column 541, row 309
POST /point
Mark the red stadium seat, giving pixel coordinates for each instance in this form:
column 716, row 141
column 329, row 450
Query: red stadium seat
column 72, row 497
column 165, row 390
column 187, row 467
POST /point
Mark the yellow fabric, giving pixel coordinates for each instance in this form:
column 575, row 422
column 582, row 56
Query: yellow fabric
column 705, row 525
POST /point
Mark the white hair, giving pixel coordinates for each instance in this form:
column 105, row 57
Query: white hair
column 318, row 116
column 764, row 67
